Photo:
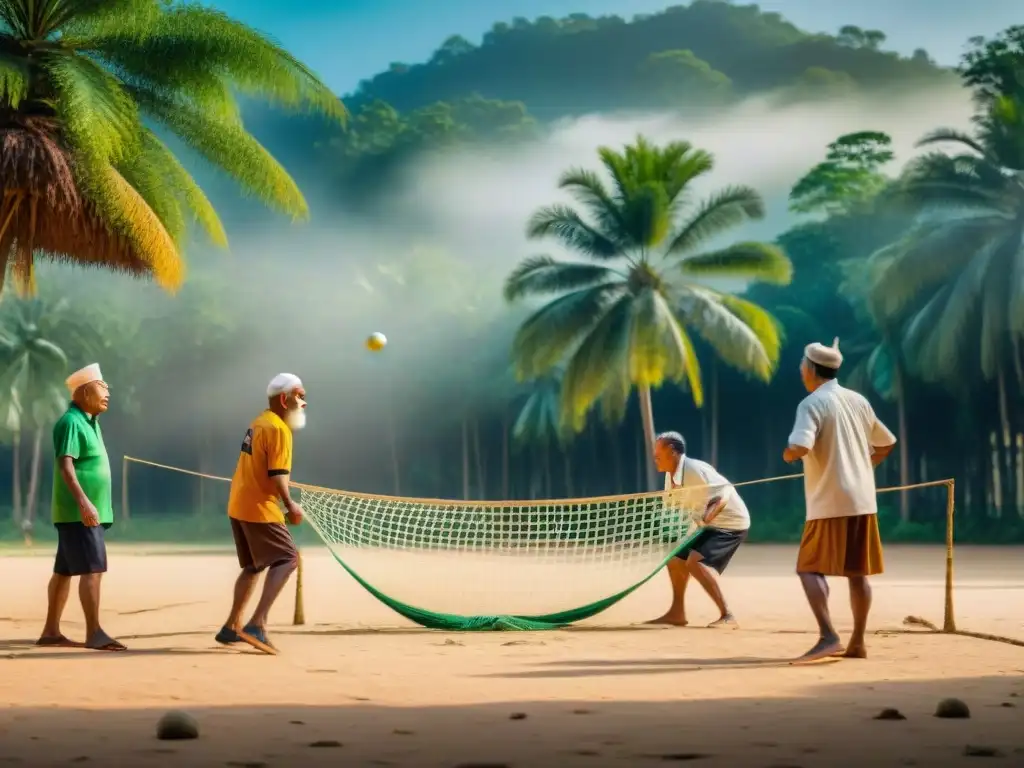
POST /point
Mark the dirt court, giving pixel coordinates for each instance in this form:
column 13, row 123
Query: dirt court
column 358, row 686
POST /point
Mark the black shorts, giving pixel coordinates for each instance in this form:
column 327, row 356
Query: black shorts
column 80, row 549
column 715, row 546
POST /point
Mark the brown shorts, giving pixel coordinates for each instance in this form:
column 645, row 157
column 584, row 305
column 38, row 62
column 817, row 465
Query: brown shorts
column 841, row 546
column 262, row 545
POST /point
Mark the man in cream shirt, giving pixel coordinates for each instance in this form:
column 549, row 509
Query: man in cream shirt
column 725, row 520
column 840, row 441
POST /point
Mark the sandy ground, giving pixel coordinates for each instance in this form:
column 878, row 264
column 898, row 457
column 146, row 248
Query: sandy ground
column 357, row 686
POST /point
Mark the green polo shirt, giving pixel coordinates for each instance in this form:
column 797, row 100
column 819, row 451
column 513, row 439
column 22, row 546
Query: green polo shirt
column 78, row 435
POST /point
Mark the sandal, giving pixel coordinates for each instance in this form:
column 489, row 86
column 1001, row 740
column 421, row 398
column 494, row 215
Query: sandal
column 57, row 641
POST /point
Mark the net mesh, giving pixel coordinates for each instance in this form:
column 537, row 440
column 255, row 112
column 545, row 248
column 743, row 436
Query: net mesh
column 503, row 565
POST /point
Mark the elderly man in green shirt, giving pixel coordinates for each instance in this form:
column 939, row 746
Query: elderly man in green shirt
column 82, row 510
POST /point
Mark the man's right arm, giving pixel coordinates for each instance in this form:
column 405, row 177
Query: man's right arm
column 804, row 433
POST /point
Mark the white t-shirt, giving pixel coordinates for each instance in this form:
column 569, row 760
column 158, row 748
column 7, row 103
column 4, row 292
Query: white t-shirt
column 839, row 428
column 694, row 473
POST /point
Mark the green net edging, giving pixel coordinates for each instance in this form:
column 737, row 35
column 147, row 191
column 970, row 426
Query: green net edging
column 451, row 622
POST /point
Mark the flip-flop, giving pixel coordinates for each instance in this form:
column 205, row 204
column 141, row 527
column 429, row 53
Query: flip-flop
column 57, row 641
column 108, row 644
column 255, row 637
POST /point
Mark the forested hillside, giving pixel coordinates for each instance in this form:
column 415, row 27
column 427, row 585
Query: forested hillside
column 524, row 74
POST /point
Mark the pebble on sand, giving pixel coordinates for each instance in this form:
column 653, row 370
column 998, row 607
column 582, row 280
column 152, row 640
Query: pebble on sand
column 890, row 713
column 176, row 725
column 952, row 708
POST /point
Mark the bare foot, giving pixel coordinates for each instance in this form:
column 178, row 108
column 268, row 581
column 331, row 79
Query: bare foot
column 670, row 619
column 726, row 622
column 823, row 649
column 855, row 651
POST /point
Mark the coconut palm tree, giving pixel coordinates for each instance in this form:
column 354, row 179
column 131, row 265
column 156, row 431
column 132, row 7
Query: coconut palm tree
column 623, row 317
column 89, row 91
column 952, row 284
column 33, row 364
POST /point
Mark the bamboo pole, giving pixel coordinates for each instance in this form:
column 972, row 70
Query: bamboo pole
column 300, row 610
column 948, row 622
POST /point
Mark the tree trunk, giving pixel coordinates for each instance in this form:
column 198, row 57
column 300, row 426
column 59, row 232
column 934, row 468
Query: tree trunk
column 32, row 497
column 465, row 459
column 505, row 468
column 16, row 479
column 567, row 467
column 547, row 472
column 901, row 427
column 714, row 412
column 481, row 476
column 396, row 465
column 1005, row 470
column 647, row 417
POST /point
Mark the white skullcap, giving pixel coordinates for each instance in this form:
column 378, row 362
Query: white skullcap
column 283, row 384
column 830, row 357
column 86, row 375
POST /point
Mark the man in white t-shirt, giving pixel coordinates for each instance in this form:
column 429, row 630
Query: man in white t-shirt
column 840, row 441
column 725, row 524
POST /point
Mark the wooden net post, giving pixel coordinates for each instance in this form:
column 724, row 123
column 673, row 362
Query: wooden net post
column 300, row 611
column 948, row 622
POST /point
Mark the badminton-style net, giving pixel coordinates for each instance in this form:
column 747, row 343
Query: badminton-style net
column 458, row 565
column 503, row 565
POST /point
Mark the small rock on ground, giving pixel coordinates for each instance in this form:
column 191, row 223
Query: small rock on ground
column 176, row 725
column 952, row 708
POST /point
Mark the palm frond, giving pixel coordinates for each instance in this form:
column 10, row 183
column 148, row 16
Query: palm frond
column 98, row 117
column 951, row 136
column 660, row 348
column 742, row 334
column 762, row 262
column 540, row 275
column 176, row 181
column 925, row 258
column 719, row 212
column 14, row 80
column 565, row 225
column 227, row 145
column 592, row 365
column 548, row 335
column 588, row 189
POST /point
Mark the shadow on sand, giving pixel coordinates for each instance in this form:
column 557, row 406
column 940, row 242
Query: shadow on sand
column 831, row 726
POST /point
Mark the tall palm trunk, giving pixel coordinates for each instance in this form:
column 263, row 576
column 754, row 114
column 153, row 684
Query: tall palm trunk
column 465, row 459
column 396, row 466
column 481, row 482
column 505, row 460
column 567, row 468
column 16, row 479
column 647, row 416
column 32, row 496
column 714, row 412
column 901, row 428
column 1005, row 469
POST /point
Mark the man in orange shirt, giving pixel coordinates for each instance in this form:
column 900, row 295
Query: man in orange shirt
column 262, row 540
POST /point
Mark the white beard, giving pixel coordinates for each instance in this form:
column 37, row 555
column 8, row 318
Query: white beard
column 295, row 419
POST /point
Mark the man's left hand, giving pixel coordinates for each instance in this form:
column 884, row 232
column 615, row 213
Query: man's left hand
column 711, row 509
